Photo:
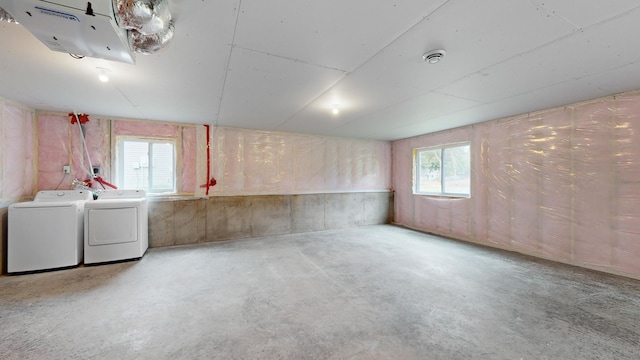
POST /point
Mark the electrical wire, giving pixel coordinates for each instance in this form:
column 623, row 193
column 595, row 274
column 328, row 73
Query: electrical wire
column 86, row 150
column 100, row 182
column 64, row 176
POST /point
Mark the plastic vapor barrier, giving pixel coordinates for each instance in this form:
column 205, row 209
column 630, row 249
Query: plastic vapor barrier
column 562, row 184
column 243, row 162
column 59, row 144
column 262, row 162
column 17, row 161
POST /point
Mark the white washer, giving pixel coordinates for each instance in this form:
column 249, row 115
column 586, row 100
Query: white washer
column 116, row 226
column 47, row 233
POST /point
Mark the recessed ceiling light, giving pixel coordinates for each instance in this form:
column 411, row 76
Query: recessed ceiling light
column 335, row 110
column 103, row 74
column 433, row 56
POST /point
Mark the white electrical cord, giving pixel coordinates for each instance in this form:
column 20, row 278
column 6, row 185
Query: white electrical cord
column 84, row 143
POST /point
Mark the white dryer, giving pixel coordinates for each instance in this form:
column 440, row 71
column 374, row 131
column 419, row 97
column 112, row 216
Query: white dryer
column 47, row 233
column 116, row 226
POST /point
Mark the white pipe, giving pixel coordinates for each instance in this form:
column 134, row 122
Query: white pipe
column 84, row 143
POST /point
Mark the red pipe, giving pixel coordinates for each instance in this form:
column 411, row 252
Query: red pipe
column 104, row 182
column 208, row 157
column 210, row 181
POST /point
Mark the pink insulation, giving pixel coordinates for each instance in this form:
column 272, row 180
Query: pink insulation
column 149, row 128
column 243, row 161
column 60, row 143
column 189, row 145
column 562, row 184
column 262, row 162
column 96, row 133
column 54, row 146
column 189, row 155
column 17, row 144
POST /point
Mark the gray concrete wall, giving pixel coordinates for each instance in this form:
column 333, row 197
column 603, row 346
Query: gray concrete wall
column 189, row 221
column 4, row 215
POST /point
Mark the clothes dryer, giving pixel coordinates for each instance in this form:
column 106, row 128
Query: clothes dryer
column 116, row 226
column 47, row 233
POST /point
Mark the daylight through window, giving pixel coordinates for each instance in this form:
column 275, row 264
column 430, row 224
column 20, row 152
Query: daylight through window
column 147, row 164
column 443, row 170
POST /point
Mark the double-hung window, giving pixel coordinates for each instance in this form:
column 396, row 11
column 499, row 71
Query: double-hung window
column 146, row 163
column 443, row 170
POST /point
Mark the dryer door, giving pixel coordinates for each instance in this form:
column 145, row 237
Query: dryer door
column 112, row 225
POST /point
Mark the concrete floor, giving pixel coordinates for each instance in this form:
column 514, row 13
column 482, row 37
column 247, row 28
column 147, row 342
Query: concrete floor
column 374, row 292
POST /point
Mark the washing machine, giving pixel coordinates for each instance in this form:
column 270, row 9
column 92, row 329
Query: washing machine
column 47, row 233
column 116, row 226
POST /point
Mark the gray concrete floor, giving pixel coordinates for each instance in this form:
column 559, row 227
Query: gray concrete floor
column 375, row 292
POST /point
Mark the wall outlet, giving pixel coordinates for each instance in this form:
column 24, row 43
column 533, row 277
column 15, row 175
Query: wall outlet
column 66, row 169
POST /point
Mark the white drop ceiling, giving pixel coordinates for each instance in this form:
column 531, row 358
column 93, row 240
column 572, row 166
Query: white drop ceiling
column 282, row 65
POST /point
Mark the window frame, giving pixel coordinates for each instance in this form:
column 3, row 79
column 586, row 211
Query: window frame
column 118, row 165
column 417, row 172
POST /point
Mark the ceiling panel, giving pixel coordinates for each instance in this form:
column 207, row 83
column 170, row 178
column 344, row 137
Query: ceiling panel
column 584, row 13
column 621, row 79
column 421, row 110
column 334, row 33
column 191, row 68
column 284, row 65
column 61, row 82
column 579, row 55
column 182, row 82
column 262, row 91
column 545, row 98
column 474, row 36
column 497, row 82
column 471, row 33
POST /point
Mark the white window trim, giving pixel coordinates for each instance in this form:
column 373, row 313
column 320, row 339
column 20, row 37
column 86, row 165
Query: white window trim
column 416, row 171
column 118, row 142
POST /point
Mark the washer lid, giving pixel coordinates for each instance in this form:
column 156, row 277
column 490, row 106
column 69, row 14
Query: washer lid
column 44, row 204
column 63, row 195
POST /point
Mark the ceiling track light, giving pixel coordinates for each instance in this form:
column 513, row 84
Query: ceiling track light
column 433, row 56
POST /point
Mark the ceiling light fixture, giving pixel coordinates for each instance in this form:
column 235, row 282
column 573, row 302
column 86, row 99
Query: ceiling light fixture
column 335, row 110
column 433, row 56
column 103, row 74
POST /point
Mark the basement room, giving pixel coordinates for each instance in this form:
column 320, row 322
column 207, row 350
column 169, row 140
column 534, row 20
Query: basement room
column 243, row 179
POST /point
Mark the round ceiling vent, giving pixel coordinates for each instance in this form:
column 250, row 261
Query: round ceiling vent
column 433, row 56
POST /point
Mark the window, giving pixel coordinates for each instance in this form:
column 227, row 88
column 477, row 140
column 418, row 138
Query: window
column 147, row 164
column 444, row 171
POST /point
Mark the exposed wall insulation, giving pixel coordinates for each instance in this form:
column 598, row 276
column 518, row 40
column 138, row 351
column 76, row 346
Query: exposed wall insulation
column 244, row 162
column 191, row 148
column 262, row 162
column 59, row 144
column 562, row 184
column 17, row 167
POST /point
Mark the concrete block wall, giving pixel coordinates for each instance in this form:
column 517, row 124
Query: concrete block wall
column 189, row 221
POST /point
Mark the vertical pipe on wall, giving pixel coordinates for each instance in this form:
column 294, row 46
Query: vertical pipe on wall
column 84, row 145
column 207, row 127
